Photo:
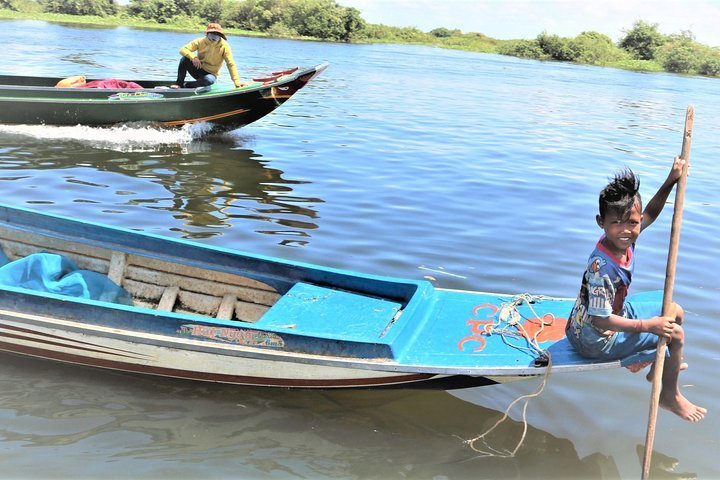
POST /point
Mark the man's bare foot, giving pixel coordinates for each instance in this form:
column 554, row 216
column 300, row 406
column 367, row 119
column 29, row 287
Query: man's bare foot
column 649, row 376
column 174, row 85
column 682, row 407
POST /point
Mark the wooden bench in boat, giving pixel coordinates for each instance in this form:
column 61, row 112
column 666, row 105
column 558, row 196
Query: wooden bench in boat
column 318, row 311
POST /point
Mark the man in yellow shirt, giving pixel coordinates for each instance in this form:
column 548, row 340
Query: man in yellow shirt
column 203, row 57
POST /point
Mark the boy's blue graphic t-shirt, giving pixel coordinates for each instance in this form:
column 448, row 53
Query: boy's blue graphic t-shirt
column 604, row 286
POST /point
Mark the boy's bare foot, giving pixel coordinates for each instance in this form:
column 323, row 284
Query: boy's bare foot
column 649, row 376
column 682, row 407
column 174, row 85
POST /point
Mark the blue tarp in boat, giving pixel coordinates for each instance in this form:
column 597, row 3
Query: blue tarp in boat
column 52, row 273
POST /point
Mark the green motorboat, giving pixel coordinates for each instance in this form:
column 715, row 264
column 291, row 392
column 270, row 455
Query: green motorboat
column 39, row 101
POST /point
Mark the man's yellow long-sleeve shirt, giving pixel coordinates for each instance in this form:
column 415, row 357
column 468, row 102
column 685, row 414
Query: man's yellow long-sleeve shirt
column 211, row 55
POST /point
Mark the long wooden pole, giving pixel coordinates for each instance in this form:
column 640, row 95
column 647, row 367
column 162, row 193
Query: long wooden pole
column 668, row 291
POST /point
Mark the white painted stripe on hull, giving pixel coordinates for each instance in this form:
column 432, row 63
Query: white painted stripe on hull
column 103, row 348
column 119, row 354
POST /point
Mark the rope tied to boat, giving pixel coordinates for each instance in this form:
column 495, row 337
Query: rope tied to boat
column 509, row 325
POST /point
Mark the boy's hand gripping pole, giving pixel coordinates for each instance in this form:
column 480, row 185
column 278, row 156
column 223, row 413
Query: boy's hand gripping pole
column 667, row 306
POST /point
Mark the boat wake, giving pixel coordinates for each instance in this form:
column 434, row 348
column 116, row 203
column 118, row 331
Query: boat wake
column 131, row 137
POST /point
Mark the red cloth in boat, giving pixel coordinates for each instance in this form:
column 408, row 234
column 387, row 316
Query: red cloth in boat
column 111, row 83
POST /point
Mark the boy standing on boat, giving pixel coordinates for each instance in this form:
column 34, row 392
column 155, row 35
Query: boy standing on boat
column 203, row 57
column 603, row 324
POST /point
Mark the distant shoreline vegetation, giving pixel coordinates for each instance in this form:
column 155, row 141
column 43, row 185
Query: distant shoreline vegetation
column 643, row 47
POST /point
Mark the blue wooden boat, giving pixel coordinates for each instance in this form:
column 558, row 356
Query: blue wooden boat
column 213, row 314
column 38, row 101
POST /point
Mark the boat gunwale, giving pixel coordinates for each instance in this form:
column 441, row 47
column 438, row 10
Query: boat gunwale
column 33, row 218
column 189, row 94
column 177, row 94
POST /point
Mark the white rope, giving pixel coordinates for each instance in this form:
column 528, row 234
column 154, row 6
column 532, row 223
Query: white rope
column 508, row 325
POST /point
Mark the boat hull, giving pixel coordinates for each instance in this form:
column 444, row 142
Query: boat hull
column 191, row 360
column 24, row 103
column 213, row 314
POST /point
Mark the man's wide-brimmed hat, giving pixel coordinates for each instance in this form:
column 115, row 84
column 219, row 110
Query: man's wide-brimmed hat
column 215, row 28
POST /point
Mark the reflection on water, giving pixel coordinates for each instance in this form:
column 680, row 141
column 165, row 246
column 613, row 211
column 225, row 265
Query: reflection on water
column 252, row 432
column 82, row 59
column 206, row 183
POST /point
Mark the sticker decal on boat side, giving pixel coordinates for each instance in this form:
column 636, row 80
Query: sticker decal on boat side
column 135, row 96
column 250, row 338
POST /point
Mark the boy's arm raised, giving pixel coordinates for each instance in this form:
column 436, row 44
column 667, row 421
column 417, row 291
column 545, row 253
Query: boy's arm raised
column 657, row 203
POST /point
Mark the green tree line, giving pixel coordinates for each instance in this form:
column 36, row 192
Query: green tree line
column 321, row 19
column 642, row 47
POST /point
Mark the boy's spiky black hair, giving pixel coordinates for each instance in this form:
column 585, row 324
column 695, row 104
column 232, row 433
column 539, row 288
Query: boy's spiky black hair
column 621, row 193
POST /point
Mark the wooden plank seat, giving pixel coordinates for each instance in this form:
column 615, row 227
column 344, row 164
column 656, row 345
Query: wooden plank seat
column 168, row 298
column 315, row 310
column 116, row 270
column 227, row 307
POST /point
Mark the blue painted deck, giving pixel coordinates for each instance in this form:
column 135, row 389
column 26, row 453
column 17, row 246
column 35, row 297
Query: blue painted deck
column 448, row 331
column 453, row 329
column 455, row 335
column 318, row 311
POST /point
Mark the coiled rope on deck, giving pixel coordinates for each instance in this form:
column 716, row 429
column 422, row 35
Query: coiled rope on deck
column 508, row 325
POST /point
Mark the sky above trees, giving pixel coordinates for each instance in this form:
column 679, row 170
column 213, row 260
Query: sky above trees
column 507, row 19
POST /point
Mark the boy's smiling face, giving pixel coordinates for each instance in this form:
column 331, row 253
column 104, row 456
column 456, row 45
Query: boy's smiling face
column 621, row 231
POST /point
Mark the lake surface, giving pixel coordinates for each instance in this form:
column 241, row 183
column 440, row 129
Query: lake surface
column 477, row 171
